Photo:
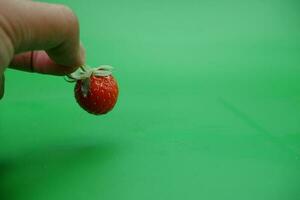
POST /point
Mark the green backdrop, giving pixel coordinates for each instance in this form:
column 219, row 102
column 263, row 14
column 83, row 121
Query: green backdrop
column 209, row 107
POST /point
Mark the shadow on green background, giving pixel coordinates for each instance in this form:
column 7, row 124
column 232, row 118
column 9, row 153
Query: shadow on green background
column 24, row 175
column 209, row 107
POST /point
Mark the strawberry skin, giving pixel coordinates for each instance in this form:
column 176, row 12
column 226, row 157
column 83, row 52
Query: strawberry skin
column 100, row 96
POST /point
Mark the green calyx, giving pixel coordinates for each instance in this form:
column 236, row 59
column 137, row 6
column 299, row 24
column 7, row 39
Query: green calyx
column 85, row 72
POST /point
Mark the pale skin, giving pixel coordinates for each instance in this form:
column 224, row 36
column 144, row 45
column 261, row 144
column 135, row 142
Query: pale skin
column 38, row 37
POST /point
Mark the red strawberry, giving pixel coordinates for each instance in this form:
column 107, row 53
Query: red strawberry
column 97, row 94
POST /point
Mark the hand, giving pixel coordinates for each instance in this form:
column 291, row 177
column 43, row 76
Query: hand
column 38, row 37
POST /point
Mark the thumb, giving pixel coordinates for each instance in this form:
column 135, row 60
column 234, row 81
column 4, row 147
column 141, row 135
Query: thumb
column 52, row 28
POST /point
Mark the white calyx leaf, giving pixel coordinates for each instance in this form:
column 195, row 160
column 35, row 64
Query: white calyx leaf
column 85, row 87
column 86, row 72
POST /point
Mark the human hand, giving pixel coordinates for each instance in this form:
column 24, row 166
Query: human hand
column 38, row 37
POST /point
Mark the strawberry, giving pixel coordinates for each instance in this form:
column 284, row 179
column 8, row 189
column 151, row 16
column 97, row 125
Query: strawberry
column 96, row 90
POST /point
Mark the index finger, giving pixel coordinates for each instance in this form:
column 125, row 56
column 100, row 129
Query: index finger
column 42, row 26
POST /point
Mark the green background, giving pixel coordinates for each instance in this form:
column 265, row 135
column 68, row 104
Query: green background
column 209, row 107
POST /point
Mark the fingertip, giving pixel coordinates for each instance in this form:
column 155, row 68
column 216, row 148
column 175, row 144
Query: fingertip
column 75, row 61
column 42, row 63
column 66, row 55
